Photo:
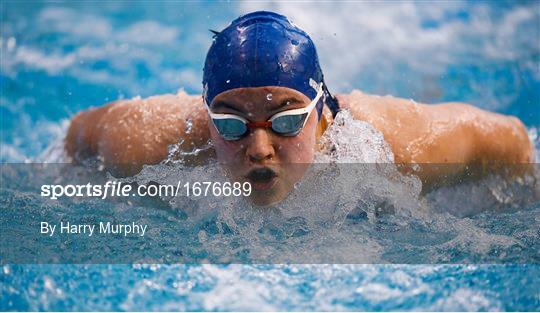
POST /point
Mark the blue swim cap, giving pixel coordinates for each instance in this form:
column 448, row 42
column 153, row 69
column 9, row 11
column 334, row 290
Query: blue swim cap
column 264, row 49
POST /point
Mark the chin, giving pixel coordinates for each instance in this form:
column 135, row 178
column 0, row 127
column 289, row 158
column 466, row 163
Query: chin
column 264, row 202
column 268, row 197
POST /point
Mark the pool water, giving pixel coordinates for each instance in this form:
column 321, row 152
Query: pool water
column 271, row 287
column 479, row 240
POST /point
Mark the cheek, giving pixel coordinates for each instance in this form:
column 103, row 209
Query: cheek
column 226, row 151
column 297, row 150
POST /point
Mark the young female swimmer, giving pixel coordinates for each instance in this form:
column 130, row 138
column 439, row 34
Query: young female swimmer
column 262, row 108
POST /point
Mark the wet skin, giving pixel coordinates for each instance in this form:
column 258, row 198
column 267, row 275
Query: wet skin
column 129, row 133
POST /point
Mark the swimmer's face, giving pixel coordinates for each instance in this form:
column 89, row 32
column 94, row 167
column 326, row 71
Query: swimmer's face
column 272, row 163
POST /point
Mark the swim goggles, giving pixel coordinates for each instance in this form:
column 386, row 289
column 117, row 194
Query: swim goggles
column 286, row 123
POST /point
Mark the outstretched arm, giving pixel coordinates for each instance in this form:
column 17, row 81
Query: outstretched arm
column 127, row 134
column 448, row 133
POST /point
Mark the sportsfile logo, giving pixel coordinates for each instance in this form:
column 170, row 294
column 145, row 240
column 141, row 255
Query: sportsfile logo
column 120, row 189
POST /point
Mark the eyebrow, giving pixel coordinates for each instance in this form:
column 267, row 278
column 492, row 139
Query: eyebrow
column 288, row 101
column 226, row 105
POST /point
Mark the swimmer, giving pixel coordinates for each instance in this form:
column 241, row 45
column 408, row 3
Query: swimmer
column 266, row 104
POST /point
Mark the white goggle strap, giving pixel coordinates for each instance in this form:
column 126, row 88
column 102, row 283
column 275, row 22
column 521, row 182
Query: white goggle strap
column 307, row 109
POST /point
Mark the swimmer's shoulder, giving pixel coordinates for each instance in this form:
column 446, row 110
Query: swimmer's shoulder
column 407, row 126
column 386, row 113
column 375, row 108
column 129, row 133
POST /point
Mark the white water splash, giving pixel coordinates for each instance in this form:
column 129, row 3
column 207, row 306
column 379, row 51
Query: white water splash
column 349, row 140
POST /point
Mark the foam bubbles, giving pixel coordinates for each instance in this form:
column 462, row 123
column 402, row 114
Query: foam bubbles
column 349, row 140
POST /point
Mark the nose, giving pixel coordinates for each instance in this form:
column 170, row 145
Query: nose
column 260, row 146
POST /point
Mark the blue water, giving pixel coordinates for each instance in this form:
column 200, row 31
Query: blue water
column 60, row 58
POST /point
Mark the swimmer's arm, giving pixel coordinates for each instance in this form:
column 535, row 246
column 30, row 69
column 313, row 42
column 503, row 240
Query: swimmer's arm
column 449, row 133
column 127, row 134
column 484, row 141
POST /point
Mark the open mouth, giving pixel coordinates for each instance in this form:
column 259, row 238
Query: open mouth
column 262, row 178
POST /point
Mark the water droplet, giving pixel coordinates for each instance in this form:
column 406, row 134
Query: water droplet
column 295, row 42
column 189, row 126
column 228, row 81
column 269, row 97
